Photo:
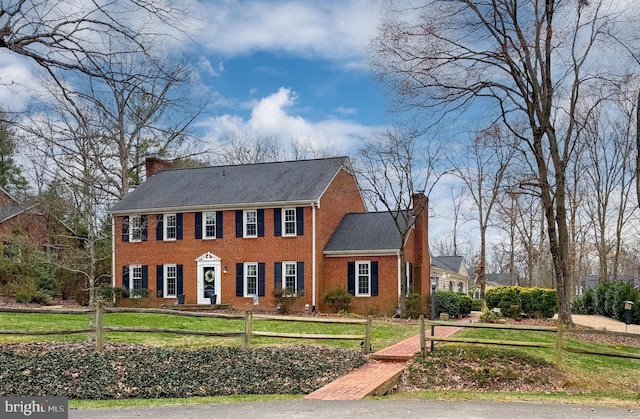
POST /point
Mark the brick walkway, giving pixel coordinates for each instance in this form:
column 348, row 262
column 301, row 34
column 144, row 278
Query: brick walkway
column 379, row 376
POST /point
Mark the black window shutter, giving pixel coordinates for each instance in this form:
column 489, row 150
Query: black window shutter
column 159, row 227
column 351, row 278
column 125, row 228
column 261, row 279
column 260, row 223
column 374, row 279
column 239, row 280
column 145, row 230
column 277, row 275
column 145, row 276
column 125, row 277
column 300, row 221
column 219, row 228
column 239, row 222
column 179, row 226
column 198, row 223
column 300, row 277
column 179, row 275
column 159, row 280
column 277, row 222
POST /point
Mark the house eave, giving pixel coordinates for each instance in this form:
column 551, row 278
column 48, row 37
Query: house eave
column 368, row 252
column 216, row 207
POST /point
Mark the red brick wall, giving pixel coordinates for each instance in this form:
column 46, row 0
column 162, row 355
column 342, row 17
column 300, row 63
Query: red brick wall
column 341, row 196
column 385, row 303
column 32, row 225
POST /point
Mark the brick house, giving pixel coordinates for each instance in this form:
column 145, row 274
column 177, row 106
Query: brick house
column 17, row 219
column 234, row 234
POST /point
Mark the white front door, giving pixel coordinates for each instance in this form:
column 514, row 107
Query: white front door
column 209, row 279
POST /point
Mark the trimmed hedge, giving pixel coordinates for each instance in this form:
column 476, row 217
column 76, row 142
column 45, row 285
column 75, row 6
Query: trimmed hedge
column 607, row 299
column 453, row 303
column 78, row 372
column 533, row 302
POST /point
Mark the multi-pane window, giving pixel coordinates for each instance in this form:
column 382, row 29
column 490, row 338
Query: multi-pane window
column 251, row 223
column 250, row 279
column 170, row 227
column 289, row 271
column 289, row 222
column 135, row 228
column 170, row 280
column 363, row 278
column 209, row 225
column 135, row 277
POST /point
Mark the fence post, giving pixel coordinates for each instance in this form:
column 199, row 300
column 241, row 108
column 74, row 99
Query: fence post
column 559, row 345
column 99, row 330
column 423, row 338
column 248, row 326
column 367, row 336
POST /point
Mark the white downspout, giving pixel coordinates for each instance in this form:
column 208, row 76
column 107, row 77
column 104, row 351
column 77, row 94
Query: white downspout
column 313, row 256
column 113, row 251
column 399, row 276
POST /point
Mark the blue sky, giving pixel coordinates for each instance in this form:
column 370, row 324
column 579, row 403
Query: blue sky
column 290, row 69
column 286, row 69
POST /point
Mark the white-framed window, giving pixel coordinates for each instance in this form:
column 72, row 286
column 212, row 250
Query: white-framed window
column 363, row 279
column 289, row 222
column 170, row 280
column 289, row 275
column 251, row 223
column 170, row 226
column 209, row 225
column 135, row 228
column 250, row 279
column 135, row 277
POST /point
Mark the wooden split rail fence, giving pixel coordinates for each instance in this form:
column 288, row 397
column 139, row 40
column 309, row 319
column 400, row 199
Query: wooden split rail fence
column 559, row 345
column 100, row 329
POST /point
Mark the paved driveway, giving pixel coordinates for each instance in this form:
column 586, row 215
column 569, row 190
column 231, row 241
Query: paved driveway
column 366, row 409
column 601, row 322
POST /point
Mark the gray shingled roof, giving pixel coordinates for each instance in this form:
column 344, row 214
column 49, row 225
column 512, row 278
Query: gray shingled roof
column 450, row 263
column 370, row 231
column 293, row 182
column 10, row 211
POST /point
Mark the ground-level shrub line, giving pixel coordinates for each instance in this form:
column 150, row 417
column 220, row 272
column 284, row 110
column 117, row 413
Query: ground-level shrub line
column 134, row 371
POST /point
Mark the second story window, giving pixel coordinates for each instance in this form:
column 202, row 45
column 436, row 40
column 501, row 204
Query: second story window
column 209, row 225
column 170, row 227
column 251, row 223
column 136, row 228
column 289, row 222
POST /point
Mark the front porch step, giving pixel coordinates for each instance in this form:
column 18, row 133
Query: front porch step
column 202, row 307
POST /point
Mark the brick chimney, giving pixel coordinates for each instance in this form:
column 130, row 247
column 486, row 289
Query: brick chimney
column 423, row 259
column 154, row 164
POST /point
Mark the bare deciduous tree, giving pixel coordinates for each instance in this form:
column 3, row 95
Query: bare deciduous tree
column 482, row 167
column 530, row 60
column 393, row 167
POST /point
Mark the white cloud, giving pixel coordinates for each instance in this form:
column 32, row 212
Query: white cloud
column 18, row 84
column 270, row 116
column 330, row 29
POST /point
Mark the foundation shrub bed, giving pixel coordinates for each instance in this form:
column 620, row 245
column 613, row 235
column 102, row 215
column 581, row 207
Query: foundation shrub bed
column 131, row 371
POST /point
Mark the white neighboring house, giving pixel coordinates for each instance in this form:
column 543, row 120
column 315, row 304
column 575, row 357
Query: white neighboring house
column 451, row 273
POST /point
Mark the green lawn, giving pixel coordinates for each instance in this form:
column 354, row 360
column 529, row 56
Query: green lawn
column 582, row 371
column 384, row 333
